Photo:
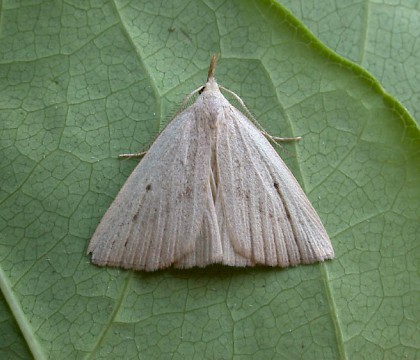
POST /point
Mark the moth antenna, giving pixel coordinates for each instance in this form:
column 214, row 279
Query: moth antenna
column 274, row 139
column 185, row 102
column 212, row 67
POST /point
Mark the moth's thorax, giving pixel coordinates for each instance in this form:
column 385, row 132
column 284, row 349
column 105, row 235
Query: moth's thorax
column 212, row 102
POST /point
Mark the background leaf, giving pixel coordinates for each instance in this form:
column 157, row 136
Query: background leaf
column 82, row 82
column 381, row 36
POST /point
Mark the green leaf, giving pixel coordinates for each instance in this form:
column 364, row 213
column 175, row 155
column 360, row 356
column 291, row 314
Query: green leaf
column 83, row 82
column 381, row 36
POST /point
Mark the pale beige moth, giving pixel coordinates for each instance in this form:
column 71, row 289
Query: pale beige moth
column 211, row 189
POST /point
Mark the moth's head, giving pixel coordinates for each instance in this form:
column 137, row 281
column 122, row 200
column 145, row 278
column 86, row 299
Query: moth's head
column 211, row 86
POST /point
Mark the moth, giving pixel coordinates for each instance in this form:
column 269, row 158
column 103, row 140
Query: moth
column 211, row 189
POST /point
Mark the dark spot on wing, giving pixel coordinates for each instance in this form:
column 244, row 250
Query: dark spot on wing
column 277, row 187
column 149, row 187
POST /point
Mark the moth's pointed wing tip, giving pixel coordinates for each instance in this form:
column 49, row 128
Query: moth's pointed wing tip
column 89, row 251
column 120, row 264
column 321, row 258
column 327, row 255
column 93, row 244
column 325, row 258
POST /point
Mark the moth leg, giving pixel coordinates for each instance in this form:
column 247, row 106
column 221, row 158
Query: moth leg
column 281, row 139
column 135, row 155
